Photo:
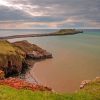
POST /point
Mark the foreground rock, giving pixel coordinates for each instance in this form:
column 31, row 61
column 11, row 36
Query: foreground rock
column 84, row 83
column 87, row 82
column 21, row 84
column 33, row 51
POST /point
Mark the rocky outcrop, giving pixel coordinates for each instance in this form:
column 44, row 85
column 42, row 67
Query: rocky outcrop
column 11, row 58
column 13, row 62
column 33, row 51
column 21, row 84
column 86, row 82
column 2, row 75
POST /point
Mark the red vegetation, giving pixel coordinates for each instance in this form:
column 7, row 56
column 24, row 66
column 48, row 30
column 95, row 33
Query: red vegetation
column 21, row 84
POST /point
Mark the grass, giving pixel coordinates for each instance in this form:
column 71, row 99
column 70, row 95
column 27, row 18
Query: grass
column 8, row 48
column 8, row 51
column 90, row 92
column 8, row 93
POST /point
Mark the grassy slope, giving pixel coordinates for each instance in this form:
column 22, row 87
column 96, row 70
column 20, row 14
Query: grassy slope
column 7, row 48
column 90, row 92
column 10, row 52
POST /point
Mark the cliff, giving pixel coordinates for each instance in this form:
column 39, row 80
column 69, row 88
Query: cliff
column 11, row 58
column 13, row 55
column 33, row 51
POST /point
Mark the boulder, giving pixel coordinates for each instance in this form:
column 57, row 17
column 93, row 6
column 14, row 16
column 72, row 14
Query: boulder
column 84, row 83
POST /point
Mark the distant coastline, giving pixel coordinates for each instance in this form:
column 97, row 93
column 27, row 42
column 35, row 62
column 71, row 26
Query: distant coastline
column 58, row 33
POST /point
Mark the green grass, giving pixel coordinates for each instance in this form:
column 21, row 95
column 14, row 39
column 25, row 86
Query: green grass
column 8, row 93
column 8, row 51
column 7, row 48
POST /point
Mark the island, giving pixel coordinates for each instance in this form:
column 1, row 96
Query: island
column 57, row 33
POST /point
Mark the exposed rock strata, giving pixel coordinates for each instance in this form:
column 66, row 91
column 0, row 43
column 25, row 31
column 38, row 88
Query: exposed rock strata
column 33, row 51
column 13, row 56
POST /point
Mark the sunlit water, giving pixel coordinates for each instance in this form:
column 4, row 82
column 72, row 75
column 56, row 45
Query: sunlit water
column 75, row 58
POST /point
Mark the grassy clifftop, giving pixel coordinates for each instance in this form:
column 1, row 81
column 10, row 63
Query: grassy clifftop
column 90, row 92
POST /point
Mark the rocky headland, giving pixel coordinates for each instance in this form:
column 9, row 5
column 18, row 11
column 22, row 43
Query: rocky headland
column 57, row 33
column 15, row 58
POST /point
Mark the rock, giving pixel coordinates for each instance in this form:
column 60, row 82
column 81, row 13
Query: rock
column 33, row 51
column 84, row 83
column 47, row 55
column 11, row 58
column 13, row 55
column 2, row 75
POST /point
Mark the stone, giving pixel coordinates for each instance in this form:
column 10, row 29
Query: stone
column 2, row 75
column 84, row 83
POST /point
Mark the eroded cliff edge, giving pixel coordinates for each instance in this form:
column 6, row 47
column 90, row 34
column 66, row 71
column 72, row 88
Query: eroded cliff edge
column 13, row 56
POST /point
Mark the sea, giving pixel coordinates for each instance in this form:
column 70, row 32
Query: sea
column 75, row 57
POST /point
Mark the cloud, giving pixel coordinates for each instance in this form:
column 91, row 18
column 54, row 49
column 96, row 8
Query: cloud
column 50, row 13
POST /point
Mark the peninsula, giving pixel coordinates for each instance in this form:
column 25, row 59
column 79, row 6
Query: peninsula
column 58, row 33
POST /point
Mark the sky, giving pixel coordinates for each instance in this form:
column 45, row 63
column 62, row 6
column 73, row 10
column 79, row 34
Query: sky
column 37, row 14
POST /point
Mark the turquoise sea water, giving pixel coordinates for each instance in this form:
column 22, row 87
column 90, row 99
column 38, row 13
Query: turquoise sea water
column 75, row 58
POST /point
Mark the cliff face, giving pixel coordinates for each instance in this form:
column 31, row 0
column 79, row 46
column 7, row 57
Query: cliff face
column 11, row 58
column 28, row 47
column 13, row 55
column 33, row 51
